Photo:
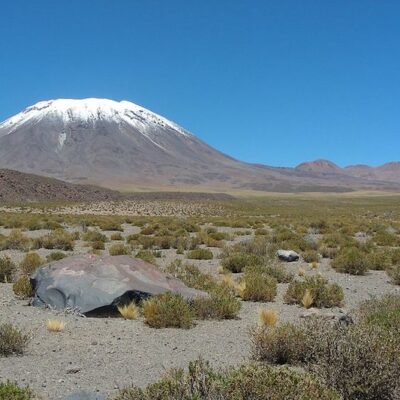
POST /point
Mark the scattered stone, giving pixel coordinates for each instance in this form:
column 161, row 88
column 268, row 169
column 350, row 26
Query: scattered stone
column 287, row 255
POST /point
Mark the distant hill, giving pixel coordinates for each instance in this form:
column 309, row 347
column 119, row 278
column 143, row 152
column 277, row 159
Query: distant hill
column 20, row 187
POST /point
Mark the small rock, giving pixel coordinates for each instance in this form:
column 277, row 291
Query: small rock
column 287, row 255
column 73, row 370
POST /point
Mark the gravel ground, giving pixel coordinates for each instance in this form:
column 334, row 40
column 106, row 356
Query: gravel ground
column 104, row 354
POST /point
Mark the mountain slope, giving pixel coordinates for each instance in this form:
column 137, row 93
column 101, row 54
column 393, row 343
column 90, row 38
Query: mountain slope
column 20, row 187
column 122, row 145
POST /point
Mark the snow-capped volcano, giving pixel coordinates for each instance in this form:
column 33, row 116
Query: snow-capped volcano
column 89, row 111
column 122, row 145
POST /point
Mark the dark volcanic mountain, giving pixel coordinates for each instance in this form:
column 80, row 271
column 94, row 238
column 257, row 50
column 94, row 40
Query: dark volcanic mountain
column 122, row 145
column 18, row 187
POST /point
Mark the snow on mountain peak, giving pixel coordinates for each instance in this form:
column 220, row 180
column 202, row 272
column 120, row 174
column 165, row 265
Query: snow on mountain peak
column 90, row 110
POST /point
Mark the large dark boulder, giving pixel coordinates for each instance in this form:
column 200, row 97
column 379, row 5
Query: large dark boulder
column 89, row 283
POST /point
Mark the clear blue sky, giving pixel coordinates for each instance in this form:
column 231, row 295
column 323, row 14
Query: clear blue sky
column 270, row 81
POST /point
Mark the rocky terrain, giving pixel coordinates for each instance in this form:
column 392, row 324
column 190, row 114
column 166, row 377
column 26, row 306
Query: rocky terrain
column 18, row 187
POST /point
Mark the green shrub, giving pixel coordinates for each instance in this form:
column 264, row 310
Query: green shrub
column 237, row 262
column 383, row 312
column 146, row 255
column 379, row 260
column 116, row 236
column 255, row 286
column 30, row 263
column 94, row 236
column 119, row 249
column 16, row 240
column 59, row 239
column 98, row 245
column 279, row 273
column 324, row 294
column 200, row 254
column 10, row 391
column 7, row 269
column 55, row 256
column 22, row 288
column 310, row 256
column 359, row 361
column 261, row 232
column 246, row 382
column 282, row 344
column 221, row 304
column 191, row 275
column 167, row 310
column 12, row 340
column 385, row 238
column 394, row 274
column 109, row 225
column 350, row 260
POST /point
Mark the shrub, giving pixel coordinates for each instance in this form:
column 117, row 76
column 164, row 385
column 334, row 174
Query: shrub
column 30, row 263
column 283, row 344
column 167, row 310
column 255, row 382
column 12, row 340
column 350, row 260
column 59, row 239
column 379, row 260
column 383, row 312
column 200, row 254
column 7, row 269
column 221, row 304
column 119, row 249
column 55, row 256
column 323, row 293
column 116, row 236
column 279, row 273
column 255, row 286
column 98, row 245
column 394, row 274
column 360, row 362
column 16, row 240
column 191, row 275
column 22, row 288
column 237, row 262
column 310, row 256
column 385, row 238
column 146, row 255
column 10, row 391
column 94, row 236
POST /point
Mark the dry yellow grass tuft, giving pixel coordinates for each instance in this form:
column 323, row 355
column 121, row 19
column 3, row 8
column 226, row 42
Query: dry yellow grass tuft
column 267, row 317
column 55, row 325
column 314, row 265
column 307, row 299
column 301, row 272
column 129, row 311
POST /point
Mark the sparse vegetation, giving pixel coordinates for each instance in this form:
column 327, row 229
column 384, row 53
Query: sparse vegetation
column 167, row 310
column 11, row 391
column 22, row 288
column 317, row 289
column 351, row 260
column 12, row 340
column 200, row 254
column 258, row 382
column 7, row 269
column 119, row 250
column 30, row 263
column 55, row 325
